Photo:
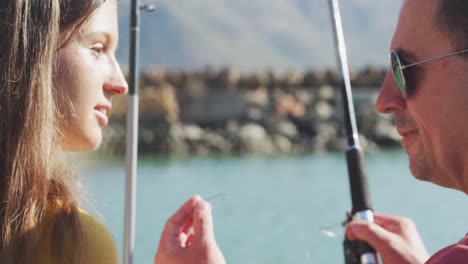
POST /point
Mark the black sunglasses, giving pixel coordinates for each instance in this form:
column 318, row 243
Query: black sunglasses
column 397, row 68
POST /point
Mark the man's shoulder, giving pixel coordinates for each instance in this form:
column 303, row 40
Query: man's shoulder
column 456, row 253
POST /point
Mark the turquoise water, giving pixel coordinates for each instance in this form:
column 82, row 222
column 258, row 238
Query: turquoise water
column 273, row 208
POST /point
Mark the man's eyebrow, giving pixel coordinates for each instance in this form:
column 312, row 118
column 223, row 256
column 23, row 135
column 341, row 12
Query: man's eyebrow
column 406, row 55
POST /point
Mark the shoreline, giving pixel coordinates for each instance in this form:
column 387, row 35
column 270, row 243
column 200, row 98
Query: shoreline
column 227, row 112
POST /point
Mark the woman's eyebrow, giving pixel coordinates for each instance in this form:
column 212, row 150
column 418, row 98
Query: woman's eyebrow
column 103, row 36
column 97, row 34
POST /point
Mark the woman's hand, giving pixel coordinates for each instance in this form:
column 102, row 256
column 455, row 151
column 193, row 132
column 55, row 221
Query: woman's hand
column 188, row 237
column 394, row 237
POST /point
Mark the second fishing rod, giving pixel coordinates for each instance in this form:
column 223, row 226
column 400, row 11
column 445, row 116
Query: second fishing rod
column 356, row 252
column 132, row 131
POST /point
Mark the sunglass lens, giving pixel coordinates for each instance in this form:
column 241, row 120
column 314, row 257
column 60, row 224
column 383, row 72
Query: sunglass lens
column 398, row 72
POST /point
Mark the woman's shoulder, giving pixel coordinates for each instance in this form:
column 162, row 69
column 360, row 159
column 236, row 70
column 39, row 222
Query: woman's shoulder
column 100, row 242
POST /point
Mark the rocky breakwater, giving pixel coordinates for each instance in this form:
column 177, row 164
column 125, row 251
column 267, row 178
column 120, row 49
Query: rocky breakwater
column 229, row 112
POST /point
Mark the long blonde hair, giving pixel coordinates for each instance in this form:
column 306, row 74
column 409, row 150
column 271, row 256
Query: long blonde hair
column 32, row 175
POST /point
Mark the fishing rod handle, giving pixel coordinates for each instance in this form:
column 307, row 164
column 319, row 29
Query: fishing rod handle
column 359, row 188
column 360, row 252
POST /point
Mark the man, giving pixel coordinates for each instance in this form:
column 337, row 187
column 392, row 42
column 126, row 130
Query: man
column 426, row 90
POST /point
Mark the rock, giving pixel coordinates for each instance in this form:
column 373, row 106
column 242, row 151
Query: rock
column 200, row 150
column 114, row 139
column 288, row 105
column 254, row 139
column 177, row 78
column 367, row 145
column 212, row 108
column 252, row 132
column 254, row 114
column 204, row 111
column 323, row 110
column 338, row 144
column 326, row 92
column 254, row 80
column 176, row 141
column 195, row 87
column 159, row 103
column 232, row 127
column 216, row 143
column 264, row 78
column 286, row 128
column 307, row 126
column 282, row 143
column 258, row 97
column 326, row 135
column 192, row 132
column 305, row 96
column 293, row 78
column 119, row 109
column 229, row 78
column 153, row 77
column 312, row 79
column 332, row 78
column 369, row 77
column 146, row 137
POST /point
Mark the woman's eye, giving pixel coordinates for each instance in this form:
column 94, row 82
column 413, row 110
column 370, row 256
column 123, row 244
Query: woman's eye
column 98, row 49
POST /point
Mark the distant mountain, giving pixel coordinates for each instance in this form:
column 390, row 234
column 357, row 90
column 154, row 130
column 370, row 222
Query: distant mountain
column 259, row 34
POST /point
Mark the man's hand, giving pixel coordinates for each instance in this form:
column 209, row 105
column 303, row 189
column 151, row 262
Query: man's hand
column 188, row 237
column 394, row 237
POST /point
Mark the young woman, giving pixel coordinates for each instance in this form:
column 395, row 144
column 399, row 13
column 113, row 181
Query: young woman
column 58, row 74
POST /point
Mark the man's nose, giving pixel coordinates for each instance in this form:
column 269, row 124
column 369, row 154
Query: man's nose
column 390, row 99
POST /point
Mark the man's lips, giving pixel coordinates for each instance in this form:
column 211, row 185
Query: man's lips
column 408, row 136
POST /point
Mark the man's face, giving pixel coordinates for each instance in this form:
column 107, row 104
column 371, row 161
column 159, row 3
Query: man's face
column 433, row 119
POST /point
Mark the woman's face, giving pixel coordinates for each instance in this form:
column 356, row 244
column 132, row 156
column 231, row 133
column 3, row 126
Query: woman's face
column 86, row 78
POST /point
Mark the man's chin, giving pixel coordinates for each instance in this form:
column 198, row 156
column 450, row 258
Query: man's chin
column 422, row 177
column 432, row 175
column 419, row 168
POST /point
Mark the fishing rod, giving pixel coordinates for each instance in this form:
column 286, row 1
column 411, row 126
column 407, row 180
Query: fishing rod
column 356, row 252
column 132, row 131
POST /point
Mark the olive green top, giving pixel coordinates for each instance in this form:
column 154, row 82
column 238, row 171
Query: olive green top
column 100, row 242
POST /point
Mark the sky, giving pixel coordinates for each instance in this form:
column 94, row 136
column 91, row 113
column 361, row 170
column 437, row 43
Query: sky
column 259, row 34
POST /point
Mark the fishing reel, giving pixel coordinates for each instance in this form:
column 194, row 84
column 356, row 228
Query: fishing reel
column 356, row 251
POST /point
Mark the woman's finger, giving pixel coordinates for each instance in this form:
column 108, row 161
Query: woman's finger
column 181, row 220
column 203, row 223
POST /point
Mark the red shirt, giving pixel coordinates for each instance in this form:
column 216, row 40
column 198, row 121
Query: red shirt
column 456, row 253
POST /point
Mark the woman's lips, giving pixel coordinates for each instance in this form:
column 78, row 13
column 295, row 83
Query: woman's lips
column 101, row 114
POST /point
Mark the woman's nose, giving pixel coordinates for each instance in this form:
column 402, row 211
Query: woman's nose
column 116, row 84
